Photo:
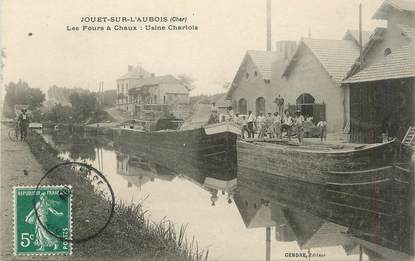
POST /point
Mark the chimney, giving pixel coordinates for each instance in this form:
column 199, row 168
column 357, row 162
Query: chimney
column 360, row 37
column 268, row 25
column 130, row 68
column 285, row 49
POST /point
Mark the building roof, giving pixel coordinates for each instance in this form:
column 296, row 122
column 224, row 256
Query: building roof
column 399, row 64
column 135, row 73
column 157, row 80
column 254, row 214
column 400, row 5
column 336, row 56
column 263, row 60
column 375, row 37
column 354, row 35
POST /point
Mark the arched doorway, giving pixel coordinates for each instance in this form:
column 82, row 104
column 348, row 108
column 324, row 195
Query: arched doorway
column 305, row 98
column 305, row 103
column 260, row 105
column 242, row 106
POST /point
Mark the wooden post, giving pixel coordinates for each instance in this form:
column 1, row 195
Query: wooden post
column 360, row 253
column 268, row 243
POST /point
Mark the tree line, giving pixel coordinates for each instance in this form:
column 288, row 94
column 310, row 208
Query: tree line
column 64, row 105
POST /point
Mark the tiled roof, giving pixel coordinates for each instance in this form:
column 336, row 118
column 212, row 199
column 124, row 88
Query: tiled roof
column 401, row 5
column 336, row 56
column 136, row 73
column 398, row 64
column 354, row 35
column 376, row 36
column 263, row 60
column 150, row 81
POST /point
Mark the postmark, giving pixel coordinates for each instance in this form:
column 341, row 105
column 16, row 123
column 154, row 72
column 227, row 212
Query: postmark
column 43, row 220
column 78, row 174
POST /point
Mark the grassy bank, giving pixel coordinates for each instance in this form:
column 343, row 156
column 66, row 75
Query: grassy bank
column 129, row 234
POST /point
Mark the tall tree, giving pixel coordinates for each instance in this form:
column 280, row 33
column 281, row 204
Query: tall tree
column 22, row 93
column 84, row 105
column 59, row 114
column 61, row 94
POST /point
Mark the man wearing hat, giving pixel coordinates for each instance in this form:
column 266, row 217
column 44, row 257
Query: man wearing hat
column 299, row 122
column 23, row 122
column 214, row 117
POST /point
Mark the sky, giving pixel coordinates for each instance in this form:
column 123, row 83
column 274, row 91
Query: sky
column 51, row 55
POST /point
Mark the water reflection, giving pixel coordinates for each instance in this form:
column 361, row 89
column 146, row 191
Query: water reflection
column 217, row 178
column 229, row 212
column 138, row 170
column 315, row 218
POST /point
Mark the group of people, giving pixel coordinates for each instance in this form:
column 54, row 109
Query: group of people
column 271, row 125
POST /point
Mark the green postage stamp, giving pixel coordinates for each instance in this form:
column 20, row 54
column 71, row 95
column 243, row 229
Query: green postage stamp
column 42, row 220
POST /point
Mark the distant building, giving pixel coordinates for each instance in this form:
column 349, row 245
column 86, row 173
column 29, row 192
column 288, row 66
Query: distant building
column 159, row 90
column 127, row 81
column 382, row 88
column 140, row 91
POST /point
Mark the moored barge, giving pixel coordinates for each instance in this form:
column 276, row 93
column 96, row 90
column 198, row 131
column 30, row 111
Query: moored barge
column 207, row 144
column 338, row 166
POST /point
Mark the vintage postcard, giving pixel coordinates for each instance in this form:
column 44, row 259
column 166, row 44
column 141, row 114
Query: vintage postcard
column 204, row 130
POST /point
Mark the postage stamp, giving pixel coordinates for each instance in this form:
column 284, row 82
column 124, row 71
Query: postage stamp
column 42, row 220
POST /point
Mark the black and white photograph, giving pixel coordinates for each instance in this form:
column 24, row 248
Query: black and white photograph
column 207, row 130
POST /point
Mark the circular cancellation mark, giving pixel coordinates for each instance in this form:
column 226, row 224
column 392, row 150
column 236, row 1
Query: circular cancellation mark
column 64, row 194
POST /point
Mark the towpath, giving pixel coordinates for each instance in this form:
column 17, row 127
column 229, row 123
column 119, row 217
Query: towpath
column 18, row 167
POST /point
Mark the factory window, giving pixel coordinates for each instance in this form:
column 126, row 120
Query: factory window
column 387, row 51
column 260, row 105
column 242, row 107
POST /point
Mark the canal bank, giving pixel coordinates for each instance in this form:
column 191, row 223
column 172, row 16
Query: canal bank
column 18, row 167
column 129, row 234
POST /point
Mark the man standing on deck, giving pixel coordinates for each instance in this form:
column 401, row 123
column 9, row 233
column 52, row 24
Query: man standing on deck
column 214, row 118
column 277, row 125
column 231, row 115
column 251, row 121
column 288, row 122
column 269, row 120
column 260, row 123
column 299, row 122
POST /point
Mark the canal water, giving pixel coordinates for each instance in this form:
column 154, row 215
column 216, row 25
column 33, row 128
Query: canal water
column 228, row 214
